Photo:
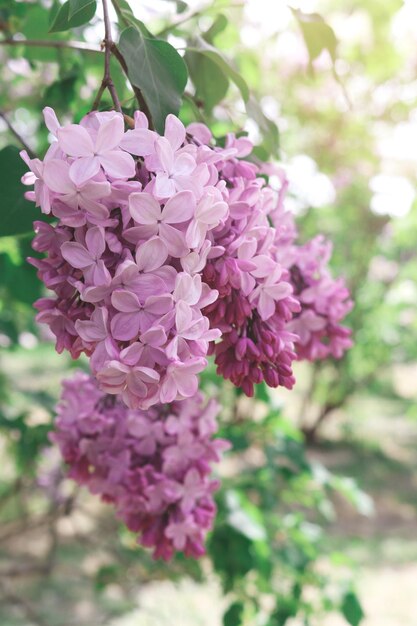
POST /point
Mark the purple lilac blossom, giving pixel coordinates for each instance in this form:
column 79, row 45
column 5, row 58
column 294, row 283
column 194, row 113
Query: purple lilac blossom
column 169, row 248
column 154, row 466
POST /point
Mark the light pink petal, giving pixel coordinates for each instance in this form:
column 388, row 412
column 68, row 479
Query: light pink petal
column 109, row 134
column 187, row 385
column 118, row 164
column 75, row 141
column 113, row 376
column 264, row 266
column 144, row 208
column 83, row 169
column 151, row 254
column 125, row 326
column 209, row 212
column 280, row 291
column 179, row 208
column 95, row 191
column 51, row 120
column 154, row 336
column 96, row 209
column 266, row 306
column 247, row 249
column 95, row 241
column 183, row 316
column 158, row 305
column 147, row 374
column 174, row 240
column 174, row 131
column 188, row 288
column 56, row 176
column 165, row 154
column 125, row 301
column 184, row 165
column 164, row 186
column 140, row 142
column 76, row 255
column 196, row 233
column 140, row 233
column 132, row 354
column 168, row 391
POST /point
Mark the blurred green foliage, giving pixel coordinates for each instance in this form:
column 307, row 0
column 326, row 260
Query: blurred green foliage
column 306, row 87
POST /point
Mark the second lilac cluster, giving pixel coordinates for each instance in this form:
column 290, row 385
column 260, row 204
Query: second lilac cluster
column 154, row 466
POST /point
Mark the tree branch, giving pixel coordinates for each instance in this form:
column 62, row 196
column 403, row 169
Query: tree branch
column 107, row 82
column 46, row 43
column 19, row 138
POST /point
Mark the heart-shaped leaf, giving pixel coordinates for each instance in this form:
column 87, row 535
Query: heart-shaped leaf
column 156, row 68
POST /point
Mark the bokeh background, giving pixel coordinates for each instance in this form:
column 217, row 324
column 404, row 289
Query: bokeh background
column 329, row 471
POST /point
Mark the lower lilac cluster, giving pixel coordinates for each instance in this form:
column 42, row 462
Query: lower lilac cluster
column 154, row 466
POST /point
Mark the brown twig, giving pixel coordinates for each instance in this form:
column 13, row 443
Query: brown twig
column 19, row 138
column 47, row 43
column 107, row 82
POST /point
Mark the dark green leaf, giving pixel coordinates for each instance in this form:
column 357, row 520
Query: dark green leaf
column 202, row 47
column 17, row 213
column 352, row 609
column 209, row 80
column 158, row 70
column 63, row 20
column 75, row 6
column 233, row 615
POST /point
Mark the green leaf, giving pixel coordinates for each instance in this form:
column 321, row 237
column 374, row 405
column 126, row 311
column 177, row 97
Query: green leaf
column 233, row 615
column 352, row 609
column 63, row 20
column 269, row 130
column 318, row 35
column 202, row 47
column 158, row 70
column 218, row 26
column 75, row 6
column 17, row 213
column 210, row 82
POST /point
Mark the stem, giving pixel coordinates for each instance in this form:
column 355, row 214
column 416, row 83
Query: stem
column 46, row 43
column 107, row 82
column 17, row 135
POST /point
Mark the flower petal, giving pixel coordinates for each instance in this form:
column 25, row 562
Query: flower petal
column 109, row 134
column 56, row 176
column 140, row 142
column 144, row 208
column 83, row 169
column 75, row 141
column 174, row 131
column 76, row 255
column 118, row 164
column 151, row 254
column 179, row 208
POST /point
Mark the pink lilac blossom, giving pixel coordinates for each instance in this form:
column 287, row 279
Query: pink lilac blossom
column 324, row 300
column 185, row 253
column 266, row 315
column 154, row 466
column 134, row 211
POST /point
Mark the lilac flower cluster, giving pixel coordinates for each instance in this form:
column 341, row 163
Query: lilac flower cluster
column 165, row 244
column 166, row 249
column 267, row 315
column 324, row 300
column 126, row 255
column 154, row 466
